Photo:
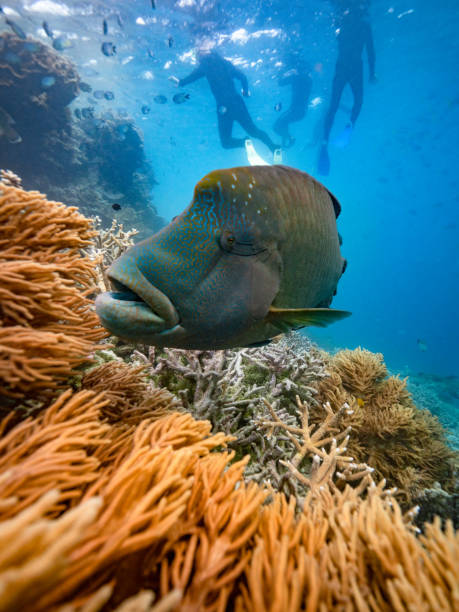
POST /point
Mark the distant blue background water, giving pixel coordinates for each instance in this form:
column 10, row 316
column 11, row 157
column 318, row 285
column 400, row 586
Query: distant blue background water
column 397, row 180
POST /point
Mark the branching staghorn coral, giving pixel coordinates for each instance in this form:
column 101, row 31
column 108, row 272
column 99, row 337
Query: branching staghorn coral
column 8, row 177
column 324, row 444
column 168, row 512
column 227, row 387
column 47, row 323
column 404, row 445
column 108, row 245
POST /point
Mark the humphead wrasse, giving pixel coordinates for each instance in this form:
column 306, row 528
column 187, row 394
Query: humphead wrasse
column 256, row 253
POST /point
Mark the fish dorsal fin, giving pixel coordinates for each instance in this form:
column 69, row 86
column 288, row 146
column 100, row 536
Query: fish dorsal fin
column 336, row 204
column 286, row 319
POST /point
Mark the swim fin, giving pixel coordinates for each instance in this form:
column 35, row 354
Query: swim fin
column 252, row 156
column 277, row 156
column 323, row 166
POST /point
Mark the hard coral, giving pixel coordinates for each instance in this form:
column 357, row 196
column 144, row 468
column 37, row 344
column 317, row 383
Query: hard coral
column 47, row 323
column 404, row 445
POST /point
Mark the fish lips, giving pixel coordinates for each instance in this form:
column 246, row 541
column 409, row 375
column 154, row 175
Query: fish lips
column 135, row 306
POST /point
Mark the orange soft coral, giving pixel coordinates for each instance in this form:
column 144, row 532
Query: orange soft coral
column 161, row 506
column 47, row 323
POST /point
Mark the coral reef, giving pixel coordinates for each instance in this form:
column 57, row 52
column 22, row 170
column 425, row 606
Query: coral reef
column 404, row 445
column 92, row 162
column 350, row 391
column 47, row 323
column 39, row 112
column 114, row 511
column 108, row 167
column 107, row 245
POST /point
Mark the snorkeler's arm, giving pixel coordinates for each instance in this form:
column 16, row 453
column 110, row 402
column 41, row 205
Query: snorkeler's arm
column 370, row 52
column 197, row 73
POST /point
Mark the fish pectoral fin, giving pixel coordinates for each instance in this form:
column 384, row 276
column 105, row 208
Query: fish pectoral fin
column 286, row 319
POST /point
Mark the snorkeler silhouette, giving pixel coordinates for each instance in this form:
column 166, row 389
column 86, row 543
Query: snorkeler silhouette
column 354, row 35
column 230, row 105
column 300, row 81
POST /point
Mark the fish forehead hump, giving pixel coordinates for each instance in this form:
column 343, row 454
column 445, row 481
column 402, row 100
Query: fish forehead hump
column 238, row 194
column 280, row 196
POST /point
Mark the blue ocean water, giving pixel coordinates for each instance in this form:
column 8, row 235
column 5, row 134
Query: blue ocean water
column 396, row 178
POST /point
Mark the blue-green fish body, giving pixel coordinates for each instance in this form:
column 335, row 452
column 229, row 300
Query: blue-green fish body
column 255, row 253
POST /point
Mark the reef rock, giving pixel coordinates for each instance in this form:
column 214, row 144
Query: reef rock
column 90, row 162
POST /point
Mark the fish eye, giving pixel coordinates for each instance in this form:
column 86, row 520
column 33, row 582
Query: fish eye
column 227, row 240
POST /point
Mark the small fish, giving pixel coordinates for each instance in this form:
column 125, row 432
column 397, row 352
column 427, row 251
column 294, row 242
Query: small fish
column 145, row 109
column 108, row 49
column 6, row 128
column 222, row 110
column 119, row 21
column 160, row 99
column 16, row 29
column 105, row 27
column 47, row 81
column 180, row 98
column 77, row 113
column 153, row 4
column 223, row 274
column 61, row 43
column 85, row 87
column 116, row 206
column 88, row 112
column 422, row 346
column 98, row 94
column 360, row 402
column 170, row 42
column 151, row 54
column 278, row 107
column 47, row 29
column 109, row 95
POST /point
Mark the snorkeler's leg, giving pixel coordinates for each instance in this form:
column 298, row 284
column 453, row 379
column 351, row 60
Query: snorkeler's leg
column 356, row 83
column 339, row 82
column 225, row 129
column 281, row 127
column 245, row 120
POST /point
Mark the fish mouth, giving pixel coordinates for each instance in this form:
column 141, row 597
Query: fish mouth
column 142, row 291
column 135, row 306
